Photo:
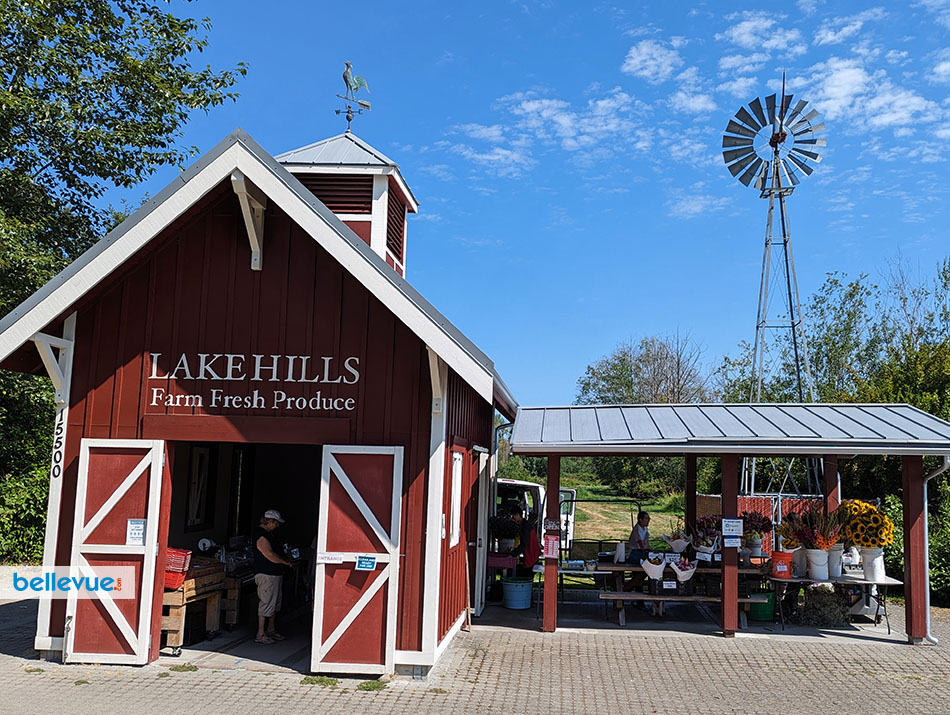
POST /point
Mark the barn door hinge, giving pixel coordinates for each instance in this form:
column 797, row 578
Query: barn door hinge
column 253, row 203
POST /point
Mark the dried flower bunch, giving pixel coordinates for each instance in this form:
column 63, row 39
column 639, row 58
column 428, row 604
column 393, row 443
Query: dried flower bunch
column 755, row 525
column 813, row 528
column 865, row 525
column 708, row 528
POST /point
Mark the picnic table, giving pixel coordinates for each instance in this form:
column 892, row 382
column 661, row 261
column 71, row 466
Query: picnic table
column 878, row 593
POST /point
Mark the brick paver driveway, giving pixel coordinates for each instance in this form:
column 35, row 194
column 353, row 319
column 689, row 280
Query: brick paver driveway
column 506, row 670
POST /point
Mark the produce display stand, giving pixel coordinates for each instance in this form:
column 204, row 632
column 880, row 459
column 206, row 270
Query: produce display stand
column 619, row 595
column 780, row 585
column 204, row 581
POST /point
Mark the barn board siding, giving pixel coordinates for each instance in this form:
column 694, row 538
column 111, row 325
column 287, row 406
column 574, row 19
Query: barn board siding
column 191, row 290
column 468, row 423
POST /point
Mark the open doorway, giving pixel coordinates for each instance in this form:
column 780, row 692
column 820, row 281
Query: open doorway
column 220, row 491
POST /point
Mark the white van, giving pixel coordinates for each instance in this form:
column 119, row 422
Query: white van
column 530, row 497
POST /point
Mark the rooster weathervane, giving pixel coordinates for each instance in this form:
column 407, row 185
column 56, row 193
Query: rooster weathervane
column 354, row 83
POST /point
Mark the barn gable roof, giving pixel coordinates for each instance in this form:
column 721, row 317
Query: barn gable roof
column 238, row 152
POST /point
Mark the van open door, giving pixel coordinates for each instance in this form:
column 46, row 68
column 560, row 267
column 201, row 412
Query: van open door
column 567, row 507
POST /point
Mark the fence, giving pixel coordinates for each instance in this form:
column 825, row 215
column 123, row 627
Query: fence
column 771, row 505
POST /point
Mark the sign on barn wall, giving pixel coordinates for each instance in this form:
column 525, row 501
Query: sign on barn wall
column 219, row 381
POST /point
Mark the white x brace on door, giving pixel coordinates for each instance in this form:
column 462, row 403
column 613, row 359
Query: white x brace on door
column 357, row 576
column 120, row 480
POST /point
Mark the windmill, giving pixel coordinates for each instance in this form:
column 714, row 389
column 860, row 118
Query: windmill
column 771, row 148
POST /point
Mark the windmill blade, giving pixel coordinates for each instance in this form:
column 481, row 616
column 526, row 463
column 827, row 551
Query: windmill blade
column 733, row 154
column 734, row 169
column 770, row 108
column 821, row 141
column 743, row 116
column 737, row 128
column 810, row 154
column 750, row 172
column 805, row 121
column 813, row 129
column 756, row 106
column 807, row 170
column 799, row 108
column 790, row 175
column 736, row 141
column 786, row 103
column 763, row 178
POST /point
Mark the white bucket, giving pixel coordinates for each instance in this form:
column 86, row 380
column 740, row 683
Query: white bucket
column 754, row 546
column 873, row 560
column 834, row 560
column 817, row 564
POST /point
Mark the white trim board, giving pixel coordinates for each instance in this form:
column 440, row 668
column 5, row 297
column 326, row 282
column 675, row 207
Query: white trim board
column 275, row 182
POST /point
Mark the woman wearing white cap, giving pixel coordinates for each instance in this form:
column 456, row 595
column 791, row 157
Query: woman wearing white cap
column 269, row 568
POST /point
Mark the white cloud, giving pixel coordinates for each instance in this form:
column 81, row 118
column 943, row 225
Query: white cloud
column 442, row 172
column 651, row 61
column 841, row 28
column 695, row 202
column 678, row 41
column 761, row 30
column 808, row 6
column 896, row 57
column 844, row 89
column 742, row 87
column 494, row 133
column 499, row 160
column 941, row 70
column 742, row 64
column 940, row 8
column 692, row 102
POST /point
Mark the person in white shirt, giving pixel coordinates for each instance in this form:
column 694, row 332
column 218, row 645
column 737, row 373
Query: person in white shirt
column 640, row 535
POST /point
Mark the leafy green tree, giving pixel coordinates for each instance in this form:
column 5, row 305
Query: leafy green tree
column 94, row 94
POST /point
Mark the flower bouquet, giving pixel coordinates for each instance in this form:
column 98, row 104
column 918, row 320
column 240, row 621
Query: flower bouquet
column 678, row 540
column 866, row 526
column 654, row 566
column 755, row 527
column 871, row 529
column 684, row 569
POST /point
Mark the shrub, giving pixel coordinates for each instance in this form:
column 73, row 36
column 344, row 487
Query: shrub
column 23, row 517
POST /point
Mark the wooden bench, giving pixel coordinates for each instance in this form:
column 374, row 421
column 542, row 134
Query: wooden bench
column 658, row 601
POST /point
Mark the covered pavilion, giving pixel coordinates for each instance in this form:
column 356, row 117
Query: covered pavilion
column 730, row 432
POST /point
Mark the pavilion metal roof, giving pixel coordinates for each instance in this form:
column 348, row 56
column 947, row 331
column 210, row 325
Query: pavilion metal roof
column 343, row 149
column 748, row 429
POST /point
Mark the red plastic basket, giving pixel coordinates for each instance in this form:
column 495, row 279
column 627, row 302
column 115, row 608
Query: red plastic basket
column 177, row 560
column 174, row 580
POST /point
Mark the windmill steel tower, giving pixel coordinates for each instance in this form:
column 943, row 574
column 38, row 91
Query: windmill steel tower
column 763, row 147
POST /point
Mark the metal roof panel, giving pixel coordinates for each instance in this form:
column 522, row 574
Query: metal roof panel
column 641, row 425
column 613, row 427
column 584, row 426
column 557, row 425
column 667, row 421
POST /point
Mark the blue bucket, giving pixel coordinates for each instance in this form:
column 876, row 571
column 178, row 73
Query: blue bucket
column 517, row 591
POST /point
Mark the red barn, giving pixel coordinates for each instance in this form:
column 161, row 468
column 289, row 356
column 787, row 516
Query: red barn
column 248, row 340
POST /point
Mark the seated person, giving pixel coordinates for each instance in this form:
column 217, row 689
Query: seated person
column 639, row 543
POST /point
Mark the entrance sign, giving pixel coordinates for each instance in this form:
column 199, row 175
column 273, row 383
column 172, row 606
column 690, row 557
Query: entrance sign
column 355, row 596
column 329, row 558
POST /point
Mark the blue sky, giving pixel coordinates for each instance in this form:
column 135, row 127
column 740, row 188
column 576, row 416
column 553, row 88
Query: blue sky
column 567, row 155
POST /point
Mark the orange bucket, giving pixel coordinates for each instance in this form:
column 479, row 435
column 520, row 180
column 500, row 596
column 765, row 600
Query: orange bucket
column 782, row 564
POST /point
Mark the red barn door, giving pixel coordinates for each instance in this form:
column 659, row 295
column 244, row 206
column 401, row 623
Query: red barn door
column 116, row 524
column 354, row 615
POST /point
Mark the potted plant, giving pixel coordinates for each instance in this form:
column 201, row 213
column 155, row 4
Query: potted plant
column 788, row 543
column 870, row 529
column 817, row 531
column 755, row 526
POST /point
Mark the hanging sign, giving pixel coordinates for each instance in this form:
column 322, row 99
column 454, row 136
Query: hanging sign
column 552, row 546
column 732, row 527
column 365, row 563
column 551, row 525
column 135, row 532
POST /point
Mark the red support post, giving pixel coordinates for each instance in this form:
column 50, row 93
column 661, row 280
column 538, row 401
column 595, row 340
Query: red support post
column 830, row 483
column 690, row 492
column 915, row 578
column 729, row 611
column 551, row 564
